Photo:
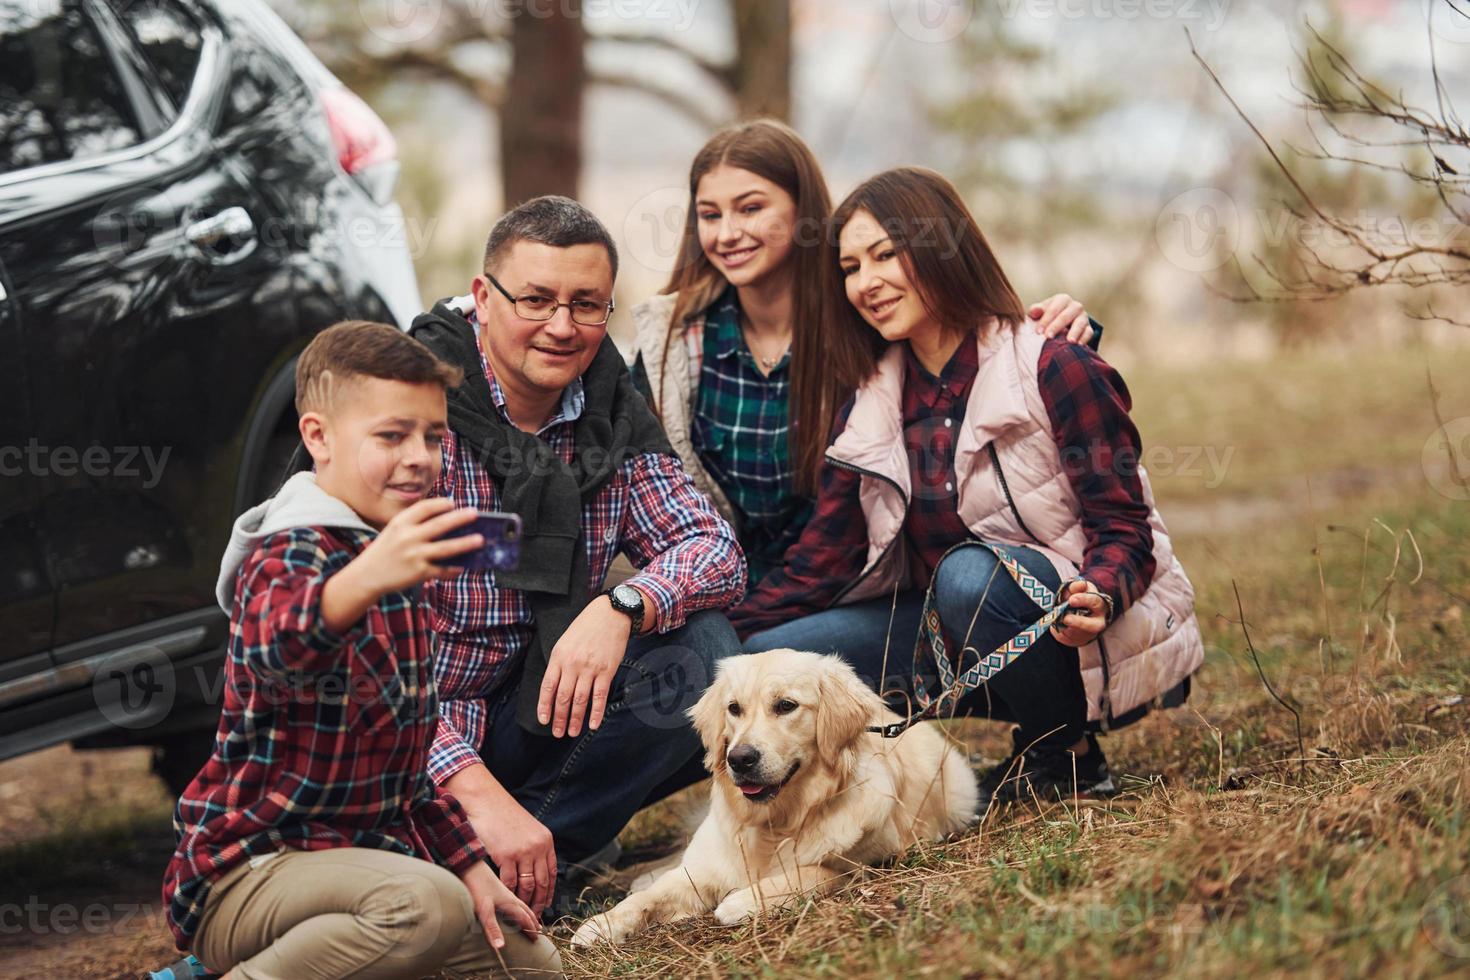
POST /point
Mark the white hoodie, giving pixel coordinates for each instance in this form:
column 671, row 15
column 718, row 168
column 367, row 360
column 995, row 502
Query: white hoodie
column 299, row 503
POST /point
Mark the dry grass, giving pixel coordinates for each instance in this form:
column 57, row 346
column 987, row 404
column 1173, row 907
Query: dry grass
column 1235, row 849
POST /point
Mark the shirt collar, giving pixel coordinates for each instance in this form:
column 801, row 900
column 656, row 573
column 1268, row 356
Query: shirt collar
column 573, row 396
column 722, row 324
column 954, row 378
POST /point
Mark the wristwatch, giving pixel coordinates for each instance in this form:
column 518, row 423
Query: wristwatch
column 628, row 601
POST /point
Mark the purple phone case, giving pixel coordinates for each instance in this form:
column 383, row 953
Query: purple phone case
column 502, row 547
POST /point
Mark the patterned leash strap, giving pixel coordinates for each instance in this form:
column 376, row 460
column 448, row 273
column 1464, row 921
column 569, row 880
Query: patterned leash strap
column 931, row 639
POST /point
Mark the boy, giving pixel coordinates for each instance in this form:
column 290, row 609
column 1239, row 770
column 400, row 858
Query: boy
column 301, row 843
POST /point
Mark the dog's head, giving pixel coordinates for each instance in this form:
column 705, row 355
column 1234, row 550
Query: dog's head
column 768, row 716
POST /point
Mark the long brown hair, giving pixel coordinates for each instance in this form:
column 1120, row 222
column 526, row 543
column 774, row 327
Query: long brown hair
column 947, row 259
column 772, row 150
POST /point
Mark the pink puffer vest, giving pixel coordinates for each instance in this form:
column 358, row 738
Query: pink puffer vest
column 1151, row 648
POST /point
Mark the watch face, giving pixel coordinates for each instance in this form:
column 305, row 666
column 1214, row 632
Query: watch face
column 629, row 596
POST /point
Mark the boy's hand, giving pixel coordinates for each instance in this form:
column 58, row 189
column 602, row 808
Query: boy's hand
column 403, row 554
column 1089, row 616
column 1058, row 313
column 406, row 553
column 579, row 674
column 489, row 896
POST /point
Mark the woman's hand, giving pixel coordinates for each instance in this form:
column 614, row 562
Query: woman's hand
column 1088, row 618
column 489, row 896
column 1061, row 312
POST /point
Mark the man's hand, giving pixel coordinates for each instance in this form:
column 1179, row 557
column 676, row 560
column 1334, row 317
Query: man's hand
column 581, row 668
column 403, row 554
column 1088, row 618
column 1061, row 312
column 521, row 847
column 490, row 896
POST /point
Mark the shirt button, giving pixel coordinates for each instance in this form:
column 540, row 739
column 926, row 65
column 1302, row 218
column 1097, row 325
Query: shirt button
column 610, row 535
column 949, row 423
column 948, row 487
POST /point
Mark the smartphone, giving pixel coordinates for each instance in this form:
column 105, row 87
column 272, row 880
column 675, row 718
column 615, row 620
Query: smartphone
column 502, row 547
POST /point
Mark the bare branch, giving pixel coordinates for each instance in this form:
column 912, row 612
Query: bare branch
column 692, row 107
column 721, row 72
column 1348, row 252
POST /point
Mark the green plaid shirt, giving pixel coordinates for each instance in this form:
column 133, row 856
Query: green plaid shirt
column 741, row 418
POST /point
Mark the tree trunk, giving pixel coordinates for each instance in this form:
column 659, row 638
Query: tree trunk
column 541, row 118
column 763, row 59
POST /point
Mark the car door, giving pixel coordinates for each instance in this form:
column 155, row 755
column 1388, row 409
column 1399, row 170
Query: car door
column 131, row 250
column 27, row 600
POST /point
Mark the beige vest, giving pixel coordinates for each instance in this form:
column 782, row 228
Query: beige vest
column 674, row 382
column 1153, row 646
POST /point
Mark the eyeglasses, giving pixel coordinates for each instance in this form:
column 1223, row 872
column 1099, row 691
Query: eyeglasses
column 534, row 306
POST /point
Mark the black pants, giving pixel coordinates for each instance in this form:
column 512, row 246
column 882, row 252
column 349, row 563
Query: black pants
column 586, row 789
column 1041, row 690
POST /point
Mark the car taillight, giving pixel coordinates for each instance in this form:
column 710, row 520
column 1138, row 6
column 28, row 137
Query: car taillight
column 365, row 146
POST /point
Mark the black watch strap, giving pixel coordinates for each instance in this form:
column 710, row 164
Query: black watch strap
column 634, row 613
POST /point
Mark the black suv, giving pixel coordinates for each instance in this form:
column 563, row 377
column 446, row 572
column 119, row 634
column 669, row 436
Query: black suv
column 186, row 196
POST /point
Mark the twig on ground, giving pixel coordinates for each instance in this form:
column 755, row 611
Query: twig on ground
column 1256, row 659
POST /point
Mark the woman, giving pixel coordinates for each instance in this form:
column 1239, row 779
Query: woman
column 728, row 354
column 968, row 431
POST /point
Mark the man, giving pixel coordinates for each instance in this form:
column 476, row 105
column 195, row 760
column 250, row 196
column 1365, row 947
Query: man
column 563, row 709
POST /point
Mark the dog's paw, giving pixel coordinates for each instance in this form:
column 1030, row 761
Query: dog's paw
column 598, row 929
column 737, row 907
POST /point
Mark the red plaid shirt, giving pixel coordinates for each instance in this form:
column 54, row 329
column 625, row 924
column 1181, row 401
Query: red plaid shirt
column 687, row 555
column 324, row 738
column 1087, row 404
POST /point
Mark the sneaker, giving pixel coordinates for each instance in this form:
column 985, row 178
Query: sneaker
column 575, row 880
column 571, row 904
column 188, row 968
column 1048, row 773
column 599, row 863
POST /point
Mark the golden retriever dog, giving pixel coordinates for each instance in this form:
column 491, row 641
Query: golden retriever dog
column 801, row 794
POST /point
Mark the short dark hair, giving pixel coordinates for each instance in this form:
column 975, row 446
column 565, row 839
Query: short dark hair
column 549, row 220
column 363, row 349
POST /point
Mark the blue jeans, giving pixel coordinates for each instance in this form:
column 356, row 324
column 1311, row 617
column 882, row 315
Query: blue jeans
column 979, row 605
column 586, row 789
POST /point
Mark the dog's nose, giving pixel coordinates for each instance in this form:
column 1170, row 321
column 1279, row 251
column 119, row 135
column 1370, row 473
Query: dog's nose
column 742, row 758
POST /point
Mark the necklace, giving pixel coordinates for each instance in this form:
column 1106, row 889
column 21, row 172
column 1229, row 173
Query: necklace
column 768, row 364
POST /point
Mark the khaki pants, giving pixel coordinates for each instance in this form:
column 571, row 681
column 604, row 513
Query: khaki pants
column 355, row 912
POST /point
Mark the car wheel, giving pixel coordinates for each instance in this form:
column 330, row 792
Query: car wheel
column 178, row 760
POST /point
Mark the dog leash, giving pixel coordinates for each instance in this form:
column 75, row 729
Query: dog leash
column 931, row 637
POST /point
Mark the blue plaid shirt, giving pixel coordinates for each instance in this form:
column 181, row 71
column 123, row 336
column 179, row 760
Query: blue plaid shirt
column 741, row 420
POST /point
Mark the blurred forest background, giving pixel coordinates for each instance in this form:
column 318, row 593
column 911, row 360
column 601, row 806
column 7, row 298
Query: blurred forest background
column 1099, row 154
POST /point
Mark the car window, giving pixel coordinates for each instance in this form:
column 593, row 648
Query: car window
column 170, row 39
column 255, row 83
column 60, row 98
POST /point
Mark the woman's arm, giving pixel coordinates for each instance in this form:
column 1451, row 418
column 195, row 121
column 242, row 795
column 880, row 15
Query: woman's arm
column 1088, row 405
column 829, row 554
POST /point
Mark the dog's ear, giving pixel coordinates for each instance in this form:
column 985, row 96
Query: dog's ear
column 708, row 718
column 847, row 707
